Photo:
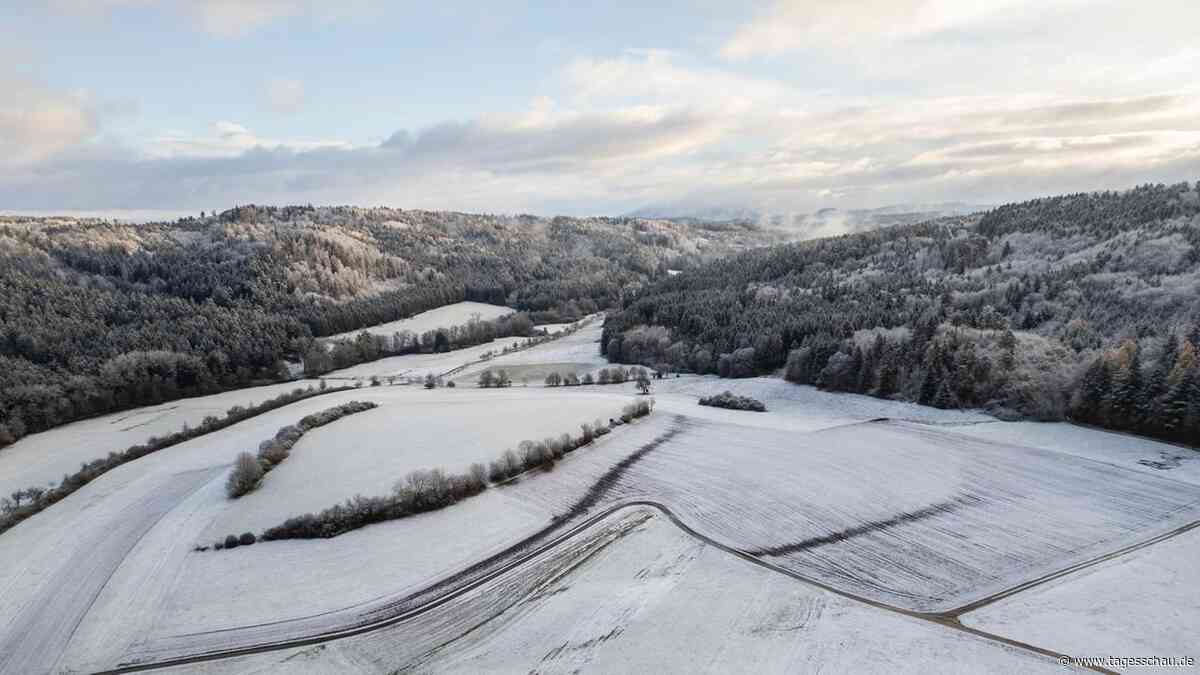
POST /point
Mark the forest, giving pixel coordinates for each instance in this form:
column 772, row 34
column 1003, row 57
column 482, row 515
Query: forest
column 1082, row 307
column 97, row 316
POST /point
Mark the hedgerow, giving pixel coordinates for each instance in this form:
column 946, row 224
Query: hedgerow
column 431, row 489
column 37, row 499
column 248, row 470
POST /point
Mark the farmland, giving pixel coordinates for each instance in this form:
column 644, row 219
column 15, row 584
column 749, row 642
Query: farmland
column 831, row 521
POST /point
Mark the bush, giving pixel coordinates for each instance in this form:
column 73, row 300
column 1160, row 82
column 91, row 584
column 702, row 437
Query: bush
column 600, row 428
column 232, row 542
column 512, row 463
column 273, row 452
column 247, row 538
column 728, row 399
column 497, row 471
column 245, row 476
column 478, row 473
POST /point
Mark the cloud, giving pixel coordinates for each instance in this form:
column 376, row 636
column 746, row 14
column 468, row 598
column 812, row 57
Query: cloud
column 228, row 18
column 790, row 25
column 1072, row 47
column 526, row 154
column 609, row 134
column 284, row 96
column 36, row 122
column 235, row 18
column 226, row 139
column 639, row 74
column 544, row 142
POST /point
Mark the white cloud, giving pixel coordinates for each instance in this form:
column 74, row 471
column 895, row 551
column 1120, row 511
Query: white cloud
column 230, row 18
column 234, row 18
column 226, row 139
column 656, row 74
column 790, row 25
column 285, row 96
column 36, row 122
column 1080, row 47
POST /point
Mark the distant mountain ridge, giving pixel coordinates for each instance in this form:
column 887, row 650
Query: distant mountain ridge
column 825, row 222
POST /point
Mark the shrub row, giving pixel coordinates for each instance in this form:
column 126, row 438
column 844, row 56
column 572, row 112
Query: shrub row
column 429, row 490
column 249, row 470
column 728, row 399
column 37, row 499
column 614, row 375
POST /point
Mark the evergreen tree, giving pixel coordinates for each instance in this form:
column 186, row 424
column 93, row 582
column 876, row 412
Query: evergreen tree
column 1094, row 392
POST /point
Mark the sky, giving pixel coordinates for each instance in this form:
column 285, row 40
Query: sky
column 177, row 106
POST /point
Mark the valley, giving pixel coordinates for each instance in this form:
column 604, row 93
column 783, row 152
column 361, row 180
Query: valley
column 830, row 524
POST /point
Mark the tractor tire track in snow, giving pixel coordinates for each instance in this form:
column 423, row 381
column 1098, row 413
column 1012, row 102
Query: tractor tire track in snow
column 1032, row 583
column 903, row 518
column 383, row 613
column 514, row 565
column 42, row 630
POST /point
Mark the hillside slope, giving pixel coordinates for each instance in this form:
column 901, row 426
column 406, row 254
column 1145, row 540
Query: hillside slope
column 1085, row 304
column 98, row 316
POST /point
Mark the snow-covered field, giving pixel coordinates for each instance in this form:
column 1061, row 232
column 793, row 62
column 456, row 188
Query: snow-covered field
column 412, row 429
column 441, row 317
column 919, row 509
column 1141, row 604
column 43, row 458
column 578, row 348
column 638, row 595
column 901, row 513
column 414, row 367
column 576, row 353
column 1131, row 452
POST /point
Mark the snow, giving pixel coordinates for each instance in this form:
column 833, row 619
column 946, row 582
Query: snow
column 417, row 366
column 907, row 514
column 1131, row 452
column 926, row 510
column 441, row 317
column 149, row 585
column 624, row 598
column 581, row 347
column 412, row 429
column 43, row 458
column 1141, row 604
column 790, row 400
